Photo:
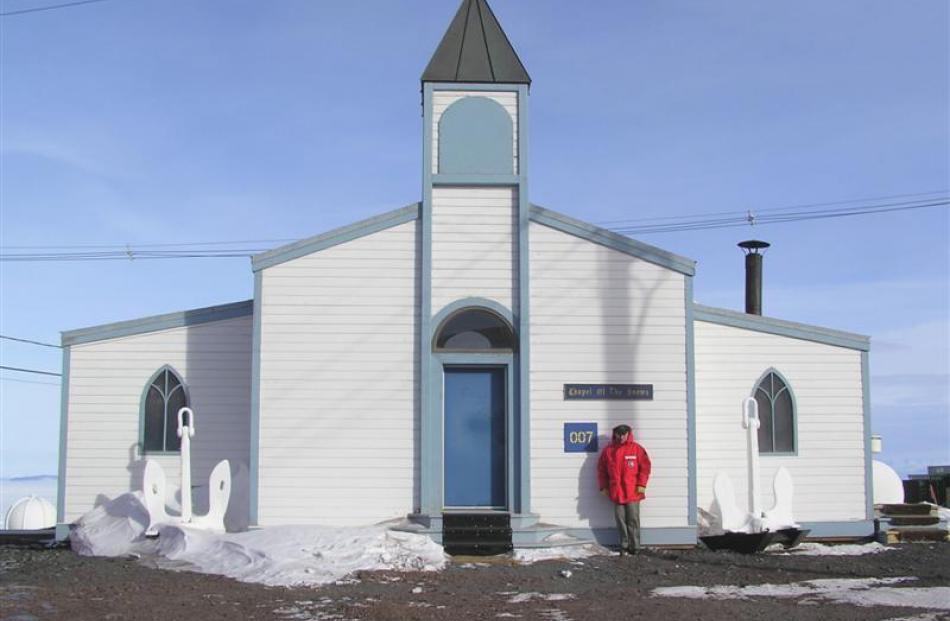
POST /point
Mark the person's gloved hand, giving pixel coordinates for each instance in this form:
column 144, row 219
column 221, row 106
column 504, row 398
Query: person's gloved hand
column 641, row 489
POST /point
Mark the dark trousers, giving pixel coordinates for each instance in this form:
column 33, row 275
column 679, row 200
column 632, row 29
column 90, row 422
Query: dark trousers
column 628, row 524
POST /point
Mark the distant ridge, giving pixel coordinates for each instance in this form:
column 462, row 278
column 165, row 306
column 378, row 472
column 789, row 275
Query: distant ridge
column 32, row 477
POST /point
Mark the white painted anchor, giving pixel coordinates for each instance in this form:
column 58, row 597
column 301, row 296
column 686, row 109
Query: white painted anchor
column 755, row 520
column 154, row 484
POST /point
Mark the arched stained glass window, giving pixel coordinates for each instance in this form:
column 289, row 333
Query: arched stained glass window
column 776, row 414
column 165, row 394
column 474, row 329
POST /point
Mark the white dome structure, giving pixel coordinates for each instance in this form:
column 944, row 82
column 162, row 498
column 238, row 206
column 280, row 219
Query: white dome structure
column 887, row 486
column 30, row 513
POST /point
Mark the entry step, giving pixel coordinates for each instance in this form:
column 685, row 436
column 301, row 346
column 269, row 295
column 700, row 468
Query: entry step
column 480, row 533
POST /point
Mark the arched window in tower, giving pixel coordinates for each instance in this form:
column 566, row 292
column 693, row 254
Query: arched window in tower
column 474, row 330
column 776, row 414
column 165, row 394
column 476, row 136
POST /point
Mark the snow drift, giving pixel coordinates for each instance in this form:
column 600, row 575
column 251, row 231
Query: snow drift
column 278, row 556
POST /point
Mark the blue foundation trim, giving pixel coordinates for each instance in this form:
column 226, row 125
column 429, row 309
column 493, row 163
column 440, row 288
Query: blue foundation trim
column 63, row 431
column 780, row 327
column 857, row 528
column 648, row 536
column 158, row 322
column 868, row 458
column 692, row 492
column 255, row 432
column 612, row 240
column 523, row 376
column 335, row 237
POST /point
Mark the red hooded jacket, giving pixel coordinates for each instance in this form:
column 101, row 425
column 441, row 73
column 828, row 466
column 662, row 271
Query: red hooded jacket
column 622, row 468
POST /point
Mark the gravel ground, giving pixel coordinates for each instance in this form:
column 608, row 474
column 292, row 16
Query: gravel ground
column 58, row 584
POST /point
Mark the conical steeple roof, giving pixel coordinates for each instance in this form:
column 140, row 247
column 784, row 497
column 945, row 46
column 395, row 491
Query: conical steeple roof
column 475, row 49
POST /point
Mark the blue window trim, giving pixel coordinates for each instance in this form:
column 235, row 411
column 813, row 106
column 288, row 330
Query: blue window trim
column 144, row 398
column 155, row 323
column 466, row 116
column 769, row 325
column 614, row 241
column 475, row 180
column 791, row 394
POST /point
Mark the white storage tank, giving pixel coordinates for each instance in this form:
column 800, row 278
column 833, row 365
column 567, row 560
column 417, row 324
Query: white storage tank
column 30, row 513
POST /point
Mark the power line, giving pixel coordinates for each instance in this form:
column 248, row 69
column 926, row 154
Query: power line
column 13, row 338
column 779, row 215
column 752, row 219
column 23, row 381
column 51, row 7
column 163, row 245
column 872, row 199
column 5, row 368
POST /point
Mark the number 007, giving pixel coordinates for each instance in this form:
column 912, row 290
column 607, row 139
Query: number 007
column 581, row 437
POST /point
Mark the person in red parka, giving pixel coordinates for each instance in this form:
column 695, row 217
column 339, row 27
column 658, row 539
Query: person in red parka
column 622, row 474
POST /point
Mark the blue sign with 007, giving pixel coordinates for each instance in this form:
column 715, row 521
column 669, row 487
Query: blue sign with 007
column 580, row 437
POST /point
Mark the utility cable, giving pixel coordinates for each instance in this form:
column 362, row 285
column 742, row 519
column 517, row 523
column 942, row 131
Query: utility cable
column 13, row 338
column 5, row 368
column 51, row 7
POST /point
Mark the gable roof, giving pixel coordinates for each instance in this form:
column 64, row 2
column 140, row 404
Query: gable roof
column 337, row 236
column 615, row 241
column 154, row 323
column 475, row 49
column 781, row 327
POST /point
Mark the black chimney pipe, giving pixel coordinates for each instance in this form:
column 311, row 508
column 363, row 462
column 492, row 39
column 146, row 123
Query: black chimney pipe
column 753, row 275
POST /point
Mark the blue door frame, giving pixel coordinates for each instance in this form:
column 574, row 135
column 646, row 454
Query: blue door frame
column 475, row 437
column 484, row 361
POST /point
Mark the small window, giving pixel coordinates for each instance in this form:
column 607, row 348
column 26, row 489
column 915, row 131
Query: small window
column 475, row 330
column 776, row 415
column 164, row 396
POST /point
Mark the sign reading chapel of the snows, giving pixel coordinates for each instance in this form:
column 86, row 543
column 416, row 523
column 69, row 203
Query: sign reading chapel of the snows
column 609, row 392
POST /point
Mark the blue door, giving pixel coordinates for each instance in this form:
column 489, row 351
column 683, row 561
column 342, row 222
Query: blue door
column 474, row 437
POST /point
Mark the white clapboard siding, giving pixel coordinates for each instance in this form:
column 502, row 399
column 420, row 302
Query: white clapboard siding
column 338, row 383
column 441, row 100
column 106, row 382
column 828, row 471
column 474, row 245
column 599, row 316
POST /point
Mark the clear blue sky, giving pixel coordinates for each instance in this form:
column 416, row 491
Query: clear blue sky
column 146, row 121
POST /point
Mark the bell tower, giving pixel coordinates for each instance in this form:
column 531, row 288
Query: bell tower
column 474, row 241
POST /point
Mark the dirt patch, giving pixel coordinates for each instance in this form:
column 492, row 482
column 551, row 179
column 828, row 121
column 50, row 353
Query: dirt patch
column 58, row 584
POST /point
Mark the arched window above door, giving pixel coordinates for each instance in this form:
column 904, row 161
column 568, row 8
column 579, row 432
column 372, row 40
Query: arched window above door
column 474, row 330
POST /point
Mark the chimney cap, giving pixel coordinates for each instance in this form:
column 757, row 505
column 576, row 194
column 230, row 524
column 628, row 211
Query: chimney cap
column 752, row 246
